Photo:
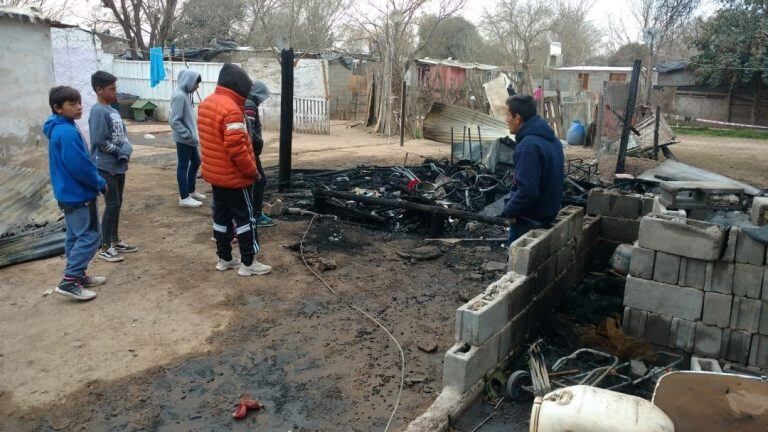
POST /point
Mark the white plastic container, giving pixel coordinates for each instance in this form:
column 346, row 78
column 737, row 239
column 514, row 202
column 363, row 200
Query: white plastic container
column 590, row 409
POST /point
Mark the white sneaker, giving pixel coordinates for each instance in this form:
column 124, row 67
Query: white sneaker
column 256, row 268
column 227, row 265
column 198, row 196
column 190, row 202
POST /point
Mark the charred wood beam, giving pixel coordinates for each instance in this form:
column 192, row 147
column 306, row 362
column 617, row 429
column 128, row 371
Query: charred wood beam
column 431, row 209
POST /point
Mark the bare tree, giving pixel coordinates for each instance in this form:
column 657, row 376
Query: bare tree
column 303, row 24
column 655, row 22
column 521, row 26
column 142, row 21
column 52, row 9
column 577, row 34
column 201, row 21
column 390, row 28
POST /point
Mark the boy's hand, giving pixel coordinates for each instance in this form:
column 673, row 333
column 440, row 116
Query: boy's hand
column 105, row 190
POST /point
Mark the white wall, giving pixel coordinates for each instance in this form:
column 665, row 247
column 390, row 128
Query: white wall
column 26, row 76
column 77, row 54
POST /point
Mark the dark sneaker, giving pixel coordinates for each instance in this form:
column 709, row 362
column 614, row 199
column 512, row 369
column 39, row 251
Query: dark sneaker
column 74, row 290
column 124, row 248
column 265, row 221
column 92, row 281
column 110, row 255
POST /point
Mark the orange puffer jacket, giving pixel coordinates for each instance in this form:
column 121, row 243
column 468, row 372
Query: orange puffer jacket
column 227, row 153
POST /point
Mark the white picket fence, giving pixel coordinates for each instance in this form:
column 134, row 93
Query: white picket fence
column 310, row 115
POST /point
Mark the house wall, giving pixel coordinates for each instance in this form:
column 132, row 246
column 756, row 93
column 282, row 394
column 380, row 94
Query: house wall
column 77, row 54
column 26, row 76
column 341, row 98
column 710, row 107
column 676, row 78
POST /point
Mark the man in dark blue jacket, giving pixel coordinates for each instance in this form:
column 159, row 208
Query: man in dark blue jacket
column 539, row 169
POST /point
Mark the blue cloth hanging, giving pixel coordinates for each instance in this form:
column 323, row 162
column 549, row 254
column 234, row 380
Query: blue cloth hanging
column 156, row 68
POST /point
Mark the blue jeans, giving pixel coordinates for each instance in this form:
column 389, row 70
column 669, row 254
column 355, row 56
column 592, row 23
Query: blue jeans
column 186, row 170
column 82, row 238
column 521, row 227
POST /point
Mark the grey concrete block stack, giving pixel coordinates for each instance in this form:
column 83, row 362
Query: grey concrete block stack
column 620, row 214
column 696, row 287
column 542, row 265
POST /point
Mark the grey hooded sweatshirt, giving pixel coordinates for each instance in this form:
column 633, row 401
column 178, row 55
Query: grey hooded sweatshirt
column 182, row 117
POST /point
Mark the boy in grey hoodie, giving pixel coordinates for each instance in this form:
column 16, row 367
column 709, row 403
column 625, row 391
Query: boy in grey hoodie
column 182, row 121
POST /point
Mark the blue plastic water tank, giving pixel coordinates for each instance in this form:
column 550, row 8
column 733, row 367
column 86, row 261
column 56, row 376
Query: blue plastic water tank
column 576, row 133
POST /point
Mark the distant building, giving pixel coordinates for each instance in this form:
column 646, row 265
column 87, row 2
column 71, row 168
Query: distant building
column 452, row 81
column 573, row 80
column 678, row 91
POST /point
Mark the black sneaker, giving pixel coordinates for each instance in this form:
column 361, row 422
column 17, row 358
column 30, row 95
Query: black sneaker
column 92, row 281
column 122, row 247
column 110, row 255
column 74, row 290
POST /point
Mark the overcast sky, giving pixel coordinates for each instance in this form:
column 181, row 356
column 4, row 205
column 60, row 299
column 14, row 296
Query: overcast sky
column 600, row 14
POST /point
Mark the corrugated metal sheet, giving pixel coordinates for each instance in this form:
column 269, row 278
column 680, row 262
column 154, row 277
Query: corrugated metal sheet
column 25, row 14
column 670, row 169
column 456, row 63
column 438, row 123
column 26, row 199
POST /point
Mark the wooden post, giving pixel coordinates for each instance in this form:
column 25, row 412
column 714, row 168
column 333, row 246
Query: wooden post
column 402, row 114
column 286, row 119
column 730, row 101
column 656, row 134
column 628, row 114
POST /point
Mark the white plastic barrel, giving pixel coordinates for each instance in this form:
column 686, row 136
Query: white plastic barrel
column 590, row 409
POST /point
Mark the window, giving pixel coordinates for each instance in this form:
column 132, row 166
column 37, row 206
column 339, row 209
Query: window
column 617, row 77
column 584, row 81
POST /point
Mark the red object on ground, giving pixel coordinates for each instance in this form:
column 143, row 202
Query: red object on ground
column 413, row 183
column 246, row 403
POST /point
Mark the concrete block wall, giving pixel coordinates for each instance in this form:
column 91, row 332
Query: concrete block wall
column 543, row 265
column 620, row 214
column 699, row 288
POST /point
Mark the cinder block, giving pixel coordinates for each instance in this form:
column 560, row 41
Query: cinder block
column 764, row 296
column 620, row 230
column 688, row 238
column 565, row 257
column 666, row 268
column 590, row 234
column 559, row 234
column 708, row 340
column 657, row 329
column 760, row 211
column 745, row 314
column 694, row 273
column 730, row 246
column 717, row 309
column 512, row 335
column 634, row 322
column 575, row 216
column 652, row 296
column 738, row 346
column 642, row 263
column 546, row 274
column 700, row 364
column 721, row 279
column 464, row 365
column 647, row 204
column 748, row 280
column 749, row 250
column 528, row 253
column 724, row 342
column 682, row 334
column 486, row 314
column 762, row 328
column 758, row 352
column 614, row 204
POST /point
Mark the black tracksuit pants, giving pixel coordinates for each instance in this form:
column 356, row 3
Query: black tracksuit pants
column 235, row 205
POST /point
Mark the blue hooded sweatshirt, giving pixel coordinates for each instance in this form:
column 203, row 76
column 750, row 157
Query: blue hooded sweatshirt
column 74, row 176
column 539, row 173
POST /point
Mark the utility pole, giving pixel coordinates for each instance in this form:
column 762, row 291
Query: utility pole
column 628, row 114
column 286, row 119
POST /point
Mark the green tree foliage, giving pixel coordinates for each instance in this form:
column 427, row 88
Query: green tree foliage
column 454, row 37
column 733, row 45
column 201, row 21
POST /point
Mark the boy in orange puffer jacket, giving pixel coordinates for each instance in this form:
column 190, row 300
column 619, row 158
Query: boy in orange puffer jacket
column 229, row 165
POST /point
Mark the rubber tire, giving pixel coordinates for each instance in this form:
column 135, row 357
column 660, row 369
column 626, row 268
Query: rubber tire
column 515, row 384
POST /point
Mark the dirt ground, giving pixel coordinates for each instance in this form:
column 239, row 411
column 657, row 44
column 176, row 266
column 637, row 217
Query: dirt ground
column 170, row 343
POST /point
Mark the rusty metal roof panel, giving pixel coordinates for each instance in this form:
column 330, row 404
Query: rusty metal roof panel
column 438, row 123
column 26, row 200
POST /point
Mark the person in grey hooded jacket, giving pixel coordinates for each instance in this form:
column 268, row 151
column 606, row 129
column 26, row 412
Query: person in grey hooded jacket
column 184, row 126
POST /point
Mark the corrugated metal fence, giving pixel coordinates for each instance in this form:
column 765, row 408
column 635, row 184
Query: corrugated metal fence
column 310, row 116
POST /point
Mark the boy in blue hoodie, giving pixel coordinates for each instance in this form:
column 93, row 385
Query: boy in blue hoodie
column 76, row 184
column 539, row 169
